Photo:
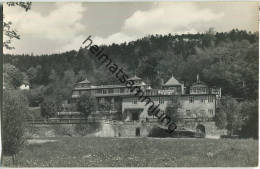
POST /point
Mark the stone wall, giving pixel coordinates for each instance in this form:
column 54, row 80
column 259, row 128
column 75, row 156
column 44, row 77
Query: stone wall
column 210, row 127
column 124, row 129
column 56, row 130
column 117, row 129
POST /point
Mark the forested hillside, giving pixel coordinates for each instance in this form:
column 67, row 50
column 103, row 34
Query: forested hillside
column 228, row 60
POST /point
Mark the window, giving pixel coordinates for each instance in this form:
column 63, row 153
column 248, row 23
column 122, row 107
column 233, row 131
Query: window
column 104, row 91
column 179, row 89
column 135, row 116
column 202, row 99
column 191, row 99
column 75, row 92
column 174, row 99
column 188, row 113
column 83, row 92
column 210, row 99
column 201, row 113
column 110, row 91
column 155, row 98
column 99, row 91
column 122, row 90
column 102, row 100
column 161, row 100
column 134, row 101
column 137, row 131
column 116, row 90
column 210, row 111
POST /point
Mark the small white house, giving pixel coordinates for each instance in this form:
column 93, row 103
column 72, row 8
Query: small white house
column 24, row 87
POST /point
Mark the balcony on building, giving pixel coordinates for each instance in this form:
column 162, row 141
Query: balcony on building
column 199, row 87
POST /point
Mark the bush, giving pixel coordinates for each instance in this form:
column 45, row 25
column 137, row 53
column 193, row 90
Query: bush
column 81, row 129
column 84, row 129
column 35, row 96
column 229, row 115
column 15, row 107
column 64, row 130
column 87, row 104
column 49, row 107
column 250, row 114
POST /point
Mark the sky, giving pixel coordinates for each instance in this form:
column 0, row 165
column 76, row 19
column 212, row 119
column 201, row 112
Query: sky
column 55, row 27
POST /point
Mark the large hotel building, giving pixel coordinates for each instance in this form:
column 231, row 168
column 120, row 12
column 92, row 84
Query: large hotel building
column 199, row 102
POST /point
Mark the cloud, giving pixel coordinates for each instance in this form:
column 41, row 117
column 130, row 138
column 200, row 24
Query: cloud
column 61, row 24
column 170, row 18
column 62, row 28
column 117, row 38
column 73, row 44
column 163, row 18
column 114, row 38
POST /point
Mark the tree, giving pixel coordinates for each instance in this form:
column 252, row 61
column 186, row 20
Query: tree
column 49, row 107
column 221, row 119
column 146, row 67
column 36, row 96
column 13, row 77
column 14, row 110
column 9, row 33
column 32, row 74
column 53, row 76
column 249, row 111
column 87, row 104
column 233, row 66
column 81, row 75
column 61, row 87
column 172, row 111
column 231, row 63
column 104, row 106
column 229, row 115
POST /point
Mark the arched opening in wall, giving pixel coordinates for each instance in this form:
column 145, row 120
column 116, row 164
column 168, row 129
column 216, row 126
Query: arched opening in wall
column 137, row 131
column 200, row 130
column 135, row 116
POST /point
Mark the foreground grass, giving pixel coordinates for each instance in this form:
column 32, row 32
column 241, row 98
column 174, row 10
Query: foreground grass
column 138, row 152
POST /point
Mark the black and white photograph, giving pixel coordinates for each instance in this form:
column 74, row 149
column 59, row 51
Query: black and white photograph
column 129, row 84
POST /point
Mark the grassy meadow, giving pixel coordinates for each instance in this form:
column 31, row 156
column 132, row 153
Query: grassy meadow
column 137, row 152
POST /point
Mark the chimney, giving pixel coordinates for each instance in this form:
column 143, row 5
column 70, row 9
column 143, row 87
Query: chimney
column 198, row 78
